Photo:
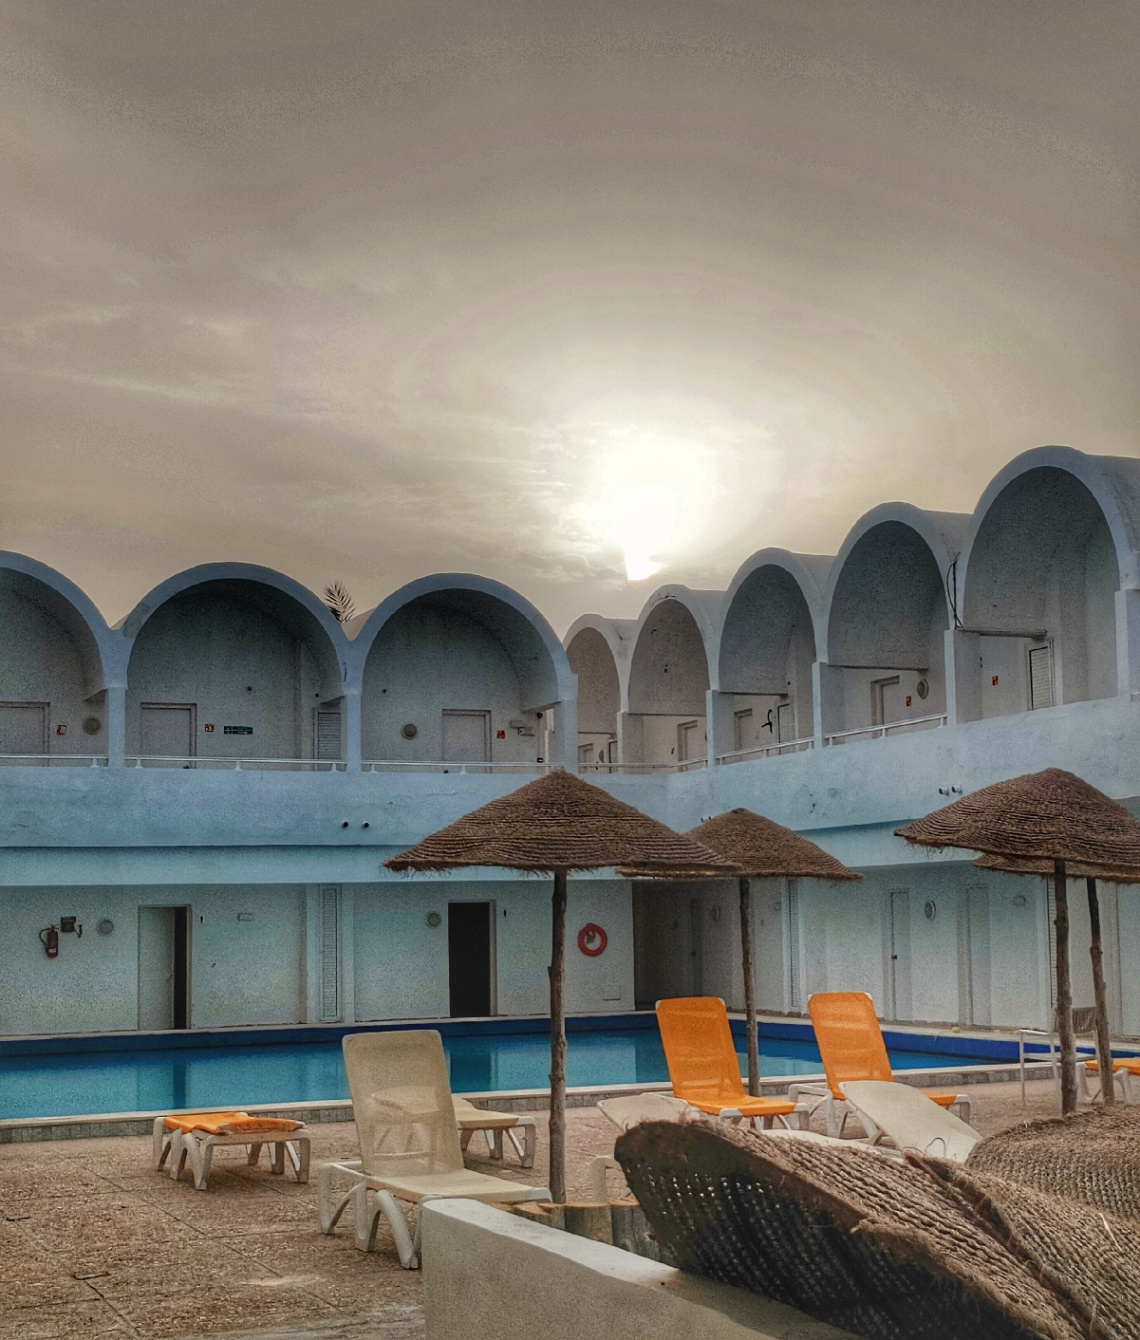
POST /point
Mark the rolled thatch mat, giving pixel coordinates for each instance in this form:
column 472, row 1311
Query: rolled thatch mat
column 1093, row 1157
column 560, row 822
column 881, row 1249
column 1093, row 1258
column 1049, row 815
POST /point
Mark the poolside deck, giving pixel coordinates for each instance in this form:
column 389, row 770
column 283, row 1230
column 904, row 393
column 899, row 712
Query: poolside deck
column 94, row 1242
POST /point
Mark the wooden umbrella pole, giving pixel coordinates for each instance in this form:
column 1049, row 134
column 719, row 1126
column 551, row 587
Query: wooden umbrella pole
column 749, row 988
column 558, row 1041
column 1065, row 995
column 1103, row 1047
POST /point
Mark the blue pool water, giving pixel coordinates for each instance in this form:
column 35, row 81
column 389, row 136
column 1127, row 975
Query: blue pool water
column 132, row 1079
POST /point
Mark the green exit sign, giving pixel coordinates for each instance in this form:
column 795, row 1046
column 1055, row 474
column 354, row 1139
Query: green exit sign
column 237, row 730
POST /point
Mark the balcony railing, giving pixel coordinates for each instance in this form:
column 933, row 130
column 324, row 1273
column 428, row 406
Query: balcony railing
column 452, row 766
column 891, row 728
column 687, row 765
column 768, row 750
column 53, row 760
column 200, row 764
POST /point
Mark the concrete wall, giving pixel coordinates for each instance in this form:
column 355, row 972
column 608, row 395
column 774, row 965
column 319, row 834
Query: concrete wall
column 427, row 659
column 246, row 971
column 237, row 664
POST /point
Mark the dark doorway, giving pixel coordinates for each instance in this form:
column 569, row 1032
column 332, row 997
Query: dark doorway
column 469, row 958
column 164, row 968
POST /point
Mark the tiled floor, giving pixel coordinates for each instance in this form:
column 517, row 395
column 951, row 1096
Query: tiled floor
column 94, row 1242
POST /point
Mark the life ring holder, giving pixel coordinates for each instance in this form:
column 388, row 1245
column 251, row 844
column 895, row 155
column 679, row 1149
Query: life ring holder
column 592, row 940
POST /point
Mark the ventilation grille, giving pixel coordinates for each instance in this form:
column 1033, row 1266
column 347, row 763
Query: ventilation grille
column 1040, row 677
column 330, row 911
column 328, row 735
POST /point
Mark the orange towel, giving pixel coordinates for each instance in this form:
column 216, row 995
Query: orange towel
column 204, row 1121
column 243, row 1125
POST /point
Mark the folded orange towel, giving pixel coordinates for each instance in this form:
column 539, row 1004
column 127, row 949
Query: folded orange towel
column 257, row 1125
column 204, row 1121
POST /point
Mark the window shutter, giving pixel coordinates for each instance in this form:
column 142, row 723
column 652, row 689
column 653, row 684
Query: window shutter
column 330, row 914
column 785, row 726
column 794, row 1002
column 328, row 735
column 1040, row 677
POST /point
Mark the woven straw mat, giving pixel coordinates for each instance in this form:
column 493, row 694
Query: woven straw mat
column 1091, row 1257
column 1093, row 1157
column 881, row 1249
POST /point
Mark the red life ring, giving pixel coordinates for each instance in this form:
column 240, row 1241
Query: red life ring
column 592, row 940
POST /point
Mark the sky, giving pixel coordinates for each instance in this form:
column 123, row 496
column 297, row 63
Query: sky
column 584, row 297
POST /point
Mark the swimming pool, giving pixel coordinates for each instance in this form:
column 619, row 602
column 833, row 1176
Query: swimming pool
column 64, row 1077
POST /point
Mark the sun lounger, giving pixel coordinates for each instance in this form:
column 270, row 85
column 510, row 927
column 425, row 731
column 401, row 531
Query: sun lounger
column 909, row 1119
column 703, row 1068
column 1125, row 1074
column 494, row 1126
column 192, row 1138
column 409, row 1142
column 851, row 1046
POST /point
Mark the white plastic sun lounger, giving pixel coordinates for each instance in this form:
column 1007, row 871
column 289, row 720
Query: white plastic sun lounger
column 409, row 1142
column 909, row 1119
column 494, row 1126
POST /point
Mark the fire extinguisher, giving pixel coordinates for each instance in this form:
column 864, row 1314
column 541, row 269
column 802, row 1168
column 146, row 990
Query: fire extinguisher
column 49, row 938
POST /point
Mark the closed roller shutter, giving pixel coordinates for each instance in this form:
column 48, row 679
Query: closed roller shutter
column 330, row 959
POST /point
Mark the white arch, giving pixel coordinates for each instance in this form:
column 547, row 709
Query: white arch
column 331, row 647
column 563, row 681
column 702, row 606
column 807, row 571
column 1113, row 481
column 941, row 532
column 619, row 636
column 77, row 613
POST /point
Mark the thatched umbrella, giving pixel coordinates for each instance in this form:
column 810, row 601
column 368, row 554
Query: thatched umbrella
column 1049, row 816
column 763, row 850
column 551, row 826
column 1090, row 874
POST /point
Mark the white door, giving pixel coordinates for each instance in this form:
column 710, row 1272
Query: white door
column 884, row 705
column 23, row 730
column 1041, row 676
column 696, row 946
column 166, row 731
column 742, row 730
column 689, row 742
column 466, row 737
column 901, row 994
column 785, row 723
column 156, row 968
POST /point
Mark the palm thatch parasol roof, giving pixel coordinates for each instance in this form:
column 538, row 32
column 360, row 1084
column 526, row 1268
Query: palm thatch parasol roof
column 766, row 850
column 1055, row 818
column 560, row 822
column 554, row 825
column 1050, row 815
column 1074, row 869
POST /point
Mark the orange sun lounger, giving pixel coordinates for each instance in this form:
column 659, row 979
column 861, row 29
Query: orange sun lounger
column 851, row 1046
column 703, row 1068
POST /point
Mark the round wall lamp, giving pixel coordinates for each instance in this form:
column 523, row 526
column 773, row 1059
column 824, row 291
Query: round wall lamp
column 922, row 688
column 930, row 910
column 105, row 927
column 433, row 919
column 92, row 725
column 408, row 730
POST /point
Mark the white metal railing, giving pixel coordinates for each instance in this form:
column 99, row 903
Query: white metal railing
column 199, row 764
column 891, row 728
column 687, row 765
column 435, row 765
column 768, row 750
column 54, row 760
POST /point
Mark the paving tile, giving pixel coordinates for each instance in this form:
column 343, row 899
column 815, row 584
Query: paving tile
column 219, row 1305
column 392, row 1322
column 63, row 1322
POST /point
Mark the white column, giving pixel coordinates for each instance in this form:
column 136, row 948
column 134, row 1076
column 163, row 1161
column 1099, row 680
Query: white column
column 116, row 703
column 827, row 700
column 963, row 676
column 352, row 730
column 1128, row 641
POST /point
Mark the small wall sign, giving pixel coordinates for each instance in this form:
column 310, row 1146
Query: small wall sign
column 237, row 730
column 209, row 728
column 61, row 730
column 500, row 735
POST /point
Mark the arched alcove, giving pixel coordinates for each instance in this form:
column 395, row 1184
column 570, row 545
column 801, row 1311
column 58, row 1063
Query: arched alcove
column 765, row 654
column 52, row 671
column 462, row 674
column 887, row 617
column 592, row 659
column 668, row 685
column 1038, row 601
column 232, row 663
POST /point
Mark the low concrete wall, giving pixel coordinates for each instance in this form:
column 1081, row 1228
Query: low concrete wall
column 492, row 1276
